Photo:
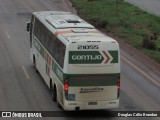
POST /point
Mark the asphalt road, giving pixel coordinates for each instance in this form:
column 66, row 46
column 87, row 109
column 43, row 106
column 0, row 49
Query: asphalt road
column 22, row 89
column 152, row 6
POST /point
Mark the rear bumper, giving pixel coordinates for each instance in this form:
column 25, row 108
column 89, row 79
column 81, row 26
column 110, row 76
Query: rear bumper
column 101, row 105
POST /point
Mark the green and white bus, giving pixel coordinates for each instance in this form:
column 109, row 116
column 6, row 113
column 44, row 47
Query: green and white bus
column 80, row 65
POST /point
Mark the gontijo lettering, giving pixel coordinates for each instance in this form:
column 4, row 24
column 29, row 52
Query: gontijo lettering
column 87, row 57
column 93, row 57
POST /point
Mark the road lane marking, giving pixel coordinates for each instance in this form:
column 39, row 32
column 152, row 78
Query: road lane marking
column 141, row 71
column 25, row 72
column 66, row 6
column 8, row 36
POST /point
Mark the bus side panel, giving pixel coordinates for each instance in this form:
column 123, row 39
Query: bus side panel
column 40, row 61
column 55, row 76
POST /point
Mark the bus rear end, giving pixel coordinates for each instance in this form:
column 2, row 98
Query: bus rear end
column 92, row 78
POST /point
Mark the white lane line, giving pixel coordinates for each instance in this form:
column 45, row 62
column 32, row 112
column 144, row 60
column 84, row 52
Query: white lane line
column 66, row 6
column 141, row 71
column 25, row 72
column 8, row 36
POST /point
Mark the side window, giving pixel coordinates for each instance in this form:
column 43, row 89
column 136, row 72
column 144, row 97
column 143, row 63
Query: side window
column 55, row 47
column 39, row 31
column 57, row 50
column 47, row 39
column 35, row 32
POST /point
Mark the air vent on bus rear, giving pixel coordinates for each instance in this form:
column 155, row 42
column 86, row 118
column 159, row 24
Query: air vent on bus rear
column 80, row 30
column 73, row 21
column 67, row 21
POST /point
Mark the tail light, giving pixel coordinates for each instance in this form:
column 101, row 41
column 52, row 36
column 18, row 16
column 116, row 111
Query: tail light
column 118, row 87
column 119, row 84
column 66, row 85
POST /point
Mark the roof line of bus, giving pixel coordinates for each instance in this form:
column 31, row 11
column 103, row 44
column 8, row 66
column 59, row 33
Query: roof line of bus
column 56, row 32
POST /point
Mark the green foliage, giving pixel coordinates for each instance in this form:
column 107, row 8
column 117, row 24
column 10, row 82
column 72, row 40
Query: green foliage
column 149, row 44
column 158, row 45
column 123, row 20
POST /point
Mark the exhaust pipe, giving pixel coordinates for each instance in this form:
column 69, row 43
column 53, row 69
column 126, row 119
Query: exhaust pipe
column 77, row 108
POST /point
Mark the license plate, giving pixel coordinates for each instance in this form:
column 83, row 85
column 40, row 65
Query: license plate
column 92, row 103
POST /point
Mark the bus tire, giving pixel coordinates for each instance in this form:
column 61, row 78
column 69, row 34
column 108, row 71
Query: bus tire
column 34, row 63
column 53, row 92
column 54, row 95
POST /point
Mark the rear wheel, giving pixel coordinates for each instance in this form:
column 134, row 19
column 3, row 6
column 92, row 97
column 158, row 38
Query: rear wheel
column 54, row 95
column 34, row 63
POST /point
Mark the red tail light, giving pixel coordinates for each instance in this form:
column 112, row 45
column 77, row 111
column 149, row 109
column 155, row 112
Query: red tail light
column 118, row 87
column 119, row 84
column 66, row 85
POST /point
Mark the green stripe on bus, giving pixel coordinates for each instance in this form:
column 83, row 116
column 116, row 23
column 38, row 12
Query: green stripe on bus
column 57, row 70
column 93, row 80
column 114, row 55
column 92, row 57
column 85, row 57
column 39, row 47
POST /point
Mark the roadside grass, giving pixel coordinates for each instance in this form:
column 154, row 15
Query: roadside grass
column 125, row 21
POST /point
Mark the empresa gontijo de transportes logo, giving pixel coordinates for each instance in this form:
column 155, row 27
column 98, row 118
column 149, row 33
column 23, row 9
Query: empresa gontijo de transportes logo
column 93, row 57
